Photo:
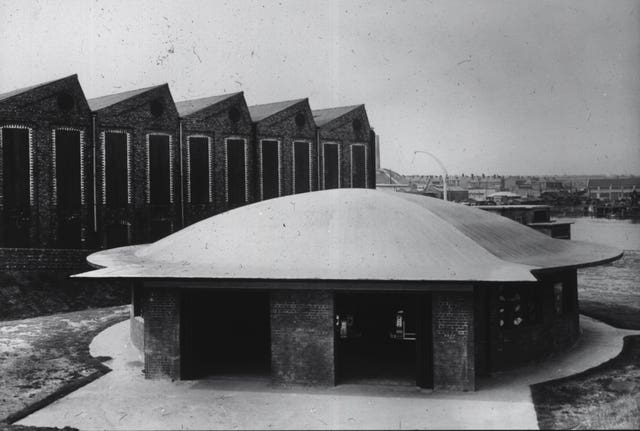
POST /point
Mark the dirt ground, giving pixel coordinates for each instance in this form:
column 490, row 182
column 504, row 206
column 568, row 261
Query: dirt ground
column 43, row 355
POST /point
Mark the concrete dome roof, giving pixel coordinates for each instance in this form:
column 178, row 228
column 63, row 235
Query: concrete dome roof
column 351, row 234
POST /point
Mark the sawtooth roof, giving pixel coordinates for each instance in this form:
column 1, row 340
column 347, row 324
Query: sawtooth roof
column 352, row 234
column 98, row 103
column 323, row 117
column 188, row 107
column 260, row 112
column 13, row 93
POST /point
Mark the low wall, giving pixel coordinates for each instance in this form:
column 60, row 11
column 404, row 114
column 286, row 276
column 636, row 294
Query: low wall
column 137, row 332
column 43, row 259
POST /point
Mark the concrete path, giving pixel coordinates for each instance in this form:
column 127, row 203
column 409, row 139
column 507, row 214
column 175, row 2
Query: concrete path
column 122, row 399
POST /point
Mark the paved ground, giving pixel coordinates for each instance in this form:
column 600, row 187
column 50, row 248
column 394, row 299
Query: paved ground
column 122, row 399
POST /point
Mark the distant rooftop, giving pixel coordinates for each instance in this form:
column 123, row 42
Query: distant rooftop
column 325, row 116
column 98, row 103
column 615, row 183
column 260, row 112
column 188, row 107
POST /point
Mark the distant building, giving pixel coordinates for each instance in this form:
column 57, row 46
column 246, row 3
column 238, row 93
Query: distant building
column 388, row 180
column 611, row 189
column 537, row 217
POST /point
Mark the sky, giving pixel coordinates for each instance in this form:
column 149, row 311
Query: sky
column 498, row 87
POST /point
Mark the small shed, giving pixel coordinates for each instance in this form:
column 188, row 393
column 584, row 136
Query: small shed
column 351, row 285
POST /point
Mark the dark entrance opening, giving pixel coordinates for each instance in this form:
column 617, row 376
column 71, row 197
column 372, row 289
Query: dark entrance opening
column 270, row 170
column 225, row 333
column 358, row 163
column 116, row 175
column 384, row 338
column 68, row 186
column 302, row 166
column 236, row 165
column 159, row 170
column 199, row 169
column 331, row 166
column 15, row 187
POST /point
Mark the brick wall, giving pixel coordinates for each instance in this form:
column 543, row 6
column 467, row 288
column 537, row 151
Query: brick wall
column 38, row 259
column 39, row 110
column 134, row 117
column 343, row 132
column 453, row 341
column 282, row 127
column 551, row 333
column 162, row 333
column 302, row 337
column 215, row 123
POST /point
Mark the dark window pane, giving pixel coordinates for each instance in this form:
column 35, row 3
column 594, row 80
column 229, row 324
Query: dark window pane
column 15, row 156
column 358, row 167
column 68, row 168
column 235, row 171
column 331, row 169
column 301, row 166
column 199, row 169
column 270, row 174
column 159, row 183
column 116, row 169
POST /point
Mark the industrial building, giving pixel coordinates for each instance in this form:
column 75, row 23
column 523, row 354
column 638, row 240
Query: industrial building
column 135, row 166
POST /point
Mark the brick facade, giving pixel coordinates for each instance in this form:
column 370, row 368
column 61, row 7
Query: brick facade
column 161, row 333
column 302, row 337
column 453, row 341
column 348, row 130
column 228, row 118
column 43, row 109
column 286, row 127
column 61, row 106
column 551, row 331
column 134, row 117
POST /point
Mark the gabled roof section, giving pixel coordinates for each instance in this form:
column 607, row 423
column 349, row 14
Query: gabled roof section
column 325, row 116
column 10, row 94
column 98, row 103
column 261, row 112
column 188, row 107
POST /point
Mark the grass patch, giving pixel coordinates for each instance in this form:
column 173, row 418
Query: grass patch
column 607, row 396
column 46, row 357
column 604, row 397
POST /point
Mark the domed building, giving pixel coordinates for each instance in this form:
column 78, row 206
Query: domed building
column 351, row 285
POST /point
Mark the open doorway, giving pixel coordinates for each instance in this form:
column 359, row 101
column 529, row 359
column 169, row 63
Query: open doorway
column 225, row 333
column 383, row 338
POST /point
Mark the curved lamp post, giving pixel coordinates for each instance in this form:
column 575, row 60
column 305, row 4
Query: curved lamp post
column 444, row 182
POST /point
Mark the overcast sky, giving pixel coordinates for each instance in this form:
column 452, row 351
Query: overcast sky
column 515, row 87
